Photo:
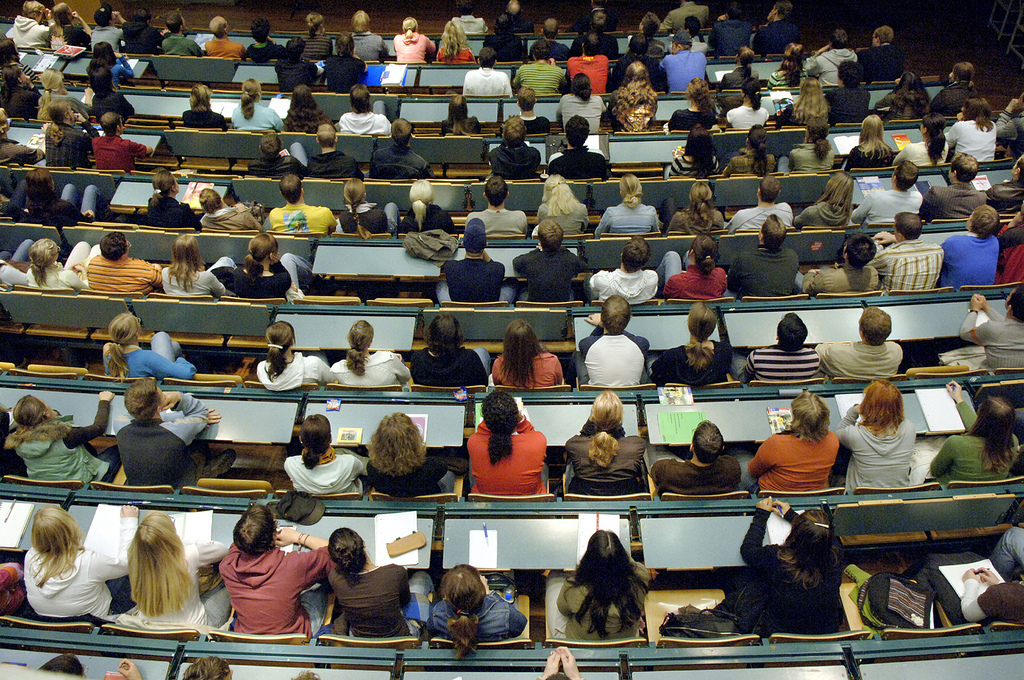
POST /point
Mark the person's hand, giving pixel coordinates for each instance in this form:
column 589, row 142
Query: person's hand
column 568, row 663
column 106, row 396
column 554, row 662
column 483, row 579
column 294, row 288
column 129, row 511
column 80, row 268
column 781, row 508
column 91, row 214
column 79, row 118
column 129, row 670
column 955, row 391
column 970, row 575
column 1015, row 106
column 212, row 417
column 988, row 577
column 884, row 238
column 766, row 504
column 722, row 17
column 812, row 272
column 652, row 574
column 170, row 400
column 979, row 303
column 593, row 319
column 285, row 536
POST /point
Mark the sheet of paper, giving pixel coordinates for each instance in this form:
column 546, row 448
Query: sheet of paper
column 104, row 535
column 420, row 421
column 279, row 105
column 778, row 529
column 981, row 183
column 591, row 523
column 720, row 73
column 677, row 426
column 939, row 410
column 45, row 62
column 394, row 74
column 132, row 63
column 869, row 184
column 846, row 401
column 388, row 528
column 954, row 573
column 846, row 143
column 14, row 517
column 982, row 318
column 198, row 527
column 483, row 550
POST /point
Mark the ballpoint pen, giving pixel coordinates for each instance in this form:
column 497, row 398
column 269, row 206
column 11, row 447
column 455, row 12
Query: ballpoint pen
column 486, row 540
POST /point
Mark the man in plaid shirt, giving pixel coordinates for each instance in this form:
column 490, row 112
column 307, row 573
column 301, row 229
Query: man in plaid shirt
column 904, row 261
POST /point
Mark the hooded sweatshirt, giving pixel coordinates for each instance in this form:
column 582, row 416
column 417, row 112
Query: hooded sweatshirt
column 301, row 369
column 826, row 65
column 28, row 33
column 876, row 461
column 458, row 369
column 141, row 38
column 637, row 287
column 340, row 475
column 515, row 162
column 84, row 589
column 59, row 458
column 265, row 588
column 364, row 124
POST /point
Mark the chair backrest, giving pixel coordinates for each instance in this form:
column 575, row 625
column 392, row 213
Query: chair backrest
column 71, row 484
column 731, row 641
column 399, row 302
column 782, row 638
column 165, row 489
column 868, row 490
column 963, row 484
column 559, row 305
column 831, row 491
column 70, row 627
column 332, row 300
column 338, row 387
column 784, row 383
column 626, row 497
column 429, row 498
column 587, row 387
column 732, row 495
column 406, row 642
column 511, row 643
column 178, row 634
column 287, row 639
column 597, row 644
column 857, row 294
column 940, row 371
column 97, row 377
column 552, row 388
column 470, row 389
column 493, row 498
column 781, row 298
column 223, row 381
column 56, row 370
column 351, row 496
column 451, row 304
column 998, row 626
column 62, row 375
column 690, row 301
column 927, row 291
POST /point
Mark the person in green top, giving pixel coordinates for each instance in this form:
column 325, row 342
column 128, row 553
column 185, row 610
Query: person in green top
column 541, row 74
column 176, row 42
column 988, row 448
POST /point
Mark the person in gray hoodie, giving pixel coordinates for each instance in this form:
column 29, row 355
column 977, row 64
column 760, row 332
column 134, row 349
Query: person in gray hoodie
column 825, row 62
column 30, row 29
column 286, row 370
column 880, row 438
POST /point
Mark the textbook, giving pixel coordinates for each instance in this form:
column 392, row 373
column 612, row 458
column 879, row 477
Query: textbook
column 192, row 192
column 939, row 410
column 845, row 144
column 779, row 419
column 420, row 420
column 350, row 436
column 589, row 524
column 14, row 517
column 675, row 396
column 193, row 527
column 901, row 141
column 69, row 51
column 37, row 141
column 868, row 184
column 954, row 573
column 394, row 74
column 677, row 426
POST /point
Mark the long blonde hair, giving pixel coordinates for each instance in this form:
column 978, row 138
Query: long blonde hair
column 559, row 196
column 453, row 41
column 251, row 93
column 186, row 263
column 57, row 538
column 409, row 27
column 810, row 104
column 839, row 194
column 421, row 193
column 606, row 414
column 871, row 142
column 630, row 190
column 42, row 255
column 160, row 579
column 124, row 329
column 701, row 323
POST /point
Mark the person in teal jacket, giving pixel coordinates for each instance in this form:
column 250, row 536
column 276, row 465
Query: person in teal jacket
column 986, row 451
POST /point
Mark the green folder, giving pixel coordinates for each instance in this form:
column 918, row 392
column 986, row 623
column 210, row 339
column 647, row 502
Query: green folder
column 677, row 426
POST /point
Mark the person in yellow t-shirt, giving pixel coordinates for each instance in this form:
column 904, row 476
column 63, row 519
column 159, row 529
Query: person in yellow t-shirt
column 297, row 217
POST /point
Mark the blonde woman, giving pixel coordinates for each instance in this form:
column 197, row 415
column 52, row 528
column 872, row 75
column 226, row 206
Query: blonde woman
column 64, row 580
column 606, row 462
column 123, row 358
column 399, row 464
column 631, row 216
column 251, row 115
column 52, row 81
column 67, row 28
column 45, row 272
column 800, row 458
column 560, row 204
column 187, row 275
column 834, row 207
column 369, row 46
column 425, row 215
column 872, row 151
column 201, row 113
column 410, row 46
column 360, row 367
column 284, row 369
column 810, row 105
column 699, row 362
column 164, row 576
column 454, row 48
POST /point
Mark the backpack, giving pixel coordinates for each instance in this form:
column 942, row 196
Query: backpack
column 690, row 622
column 434, row 245
column 891, row 601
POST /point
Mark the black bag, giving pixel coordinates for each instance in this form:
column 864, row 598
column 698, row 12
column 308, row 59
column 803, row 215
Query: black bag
column 690, row 622
column 892, row 601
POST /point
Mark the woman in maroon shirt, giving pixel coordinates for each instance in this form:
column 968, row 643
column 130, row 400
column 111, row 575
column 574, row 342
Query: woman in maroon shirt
column 703, row 279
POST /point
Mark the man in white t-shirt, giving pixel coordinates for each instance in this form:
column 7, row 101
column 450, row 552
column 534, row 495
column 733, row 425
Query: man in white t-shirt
column 751, row 219
column 634, row 283
column 485, row 80
column 613, row 357
column 882, row 205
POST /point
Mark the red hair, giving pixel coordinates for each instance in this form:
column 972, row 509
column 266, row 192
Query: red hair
column 882, row 408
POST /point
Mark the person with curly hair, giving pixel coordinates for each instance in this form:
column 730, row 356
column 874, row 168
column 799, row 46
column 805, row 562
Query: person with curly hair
column 635, row 103
column 501, row 463
column 399, row 464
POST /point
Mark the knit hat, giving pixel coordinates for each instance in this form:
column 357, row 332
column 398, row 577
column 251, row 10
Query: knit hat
column 475, row 239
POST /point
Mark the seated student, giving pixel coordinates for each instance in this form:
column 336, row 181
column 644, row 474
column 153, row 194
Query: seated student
column 411, row 46
column 18, row 98
column 292, row 70
column 425, row 215
column 44, row 271
column 631, row 216
column 834, row 207
column 883, row 205
column 753, row 158
column 263, row 48
column 445, row 362
column 399, row 465
column 524, row 362
column 284, row 369
column 267, row 274
column 331, row 163
column 514, row 159
column 701, row 111
column 476, row 277
column 320, row 469
column 164, row 208
column 800, row 458
column 932, row 149
column 112, row 271
column 106, row 97
column 207, row 668
column 13, row 152
column 605, row 462
column 880, row 438
column 468, row 23
column 526, row 100
column 1010, row 267
column 971, row 258
column 974, row 132
column 53, row 449
column 175, row 42
column 369, row 46
column 768, row 271
column 467, row 612
column 272, row 590
column 788, row 359
column 344, row 69
column 66, row 146
column 485, row 80
column 1007, row 197
column 699, row 217
column 398, row 161
column 636, row 284
column 362, row 120
column 250, row 114
column 907, row 101
column 854, row 274
column 577, row 162
column 908, row 263
column 65, row 580
column 591, row 61
column 871, row 150
column 733, row 80
column 988, row 448
column 361, row 217
column 873, row 358
column 200, row 114
column 220, row 217
column 122, row 357
column 848, row 103
column 613, row 357
column 501, row 463
column 304, row 114
column 751, row 112
column 296, row 217
column 985, row 596
column 359, row 367
column 30, row 28
column 815, row 154
column 220, row 45
column 703, row 279
column 550, row 269
column 1002, row 337
column 459, row 122
column 560, row 205
column 580, row 101
column 318, row 44
column 603, row 598
column 187, row 275
column 708, row 470
column 752, row 219
column 701, row 361
column 496, row 219
column 959, row 199
column 541, row 74
column 272, row 163
column 156, row 446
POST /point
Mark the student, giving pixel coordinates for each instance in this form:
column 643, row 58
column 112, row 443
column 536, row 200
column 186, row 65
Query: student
column 777, row 33
column 751, row 219
column 272, row 590
column 467, row 612
column 880, row 438
column 791, row 71
column 524, row 363
column 526, row 99
column 932, row 149
column 208, row 668
column 815, row 154
column 591, row 63
column 343, row 71
column 359, row 367
column 636, row 284
column 476, row 277
column 284, row 369
column 854, row 274
column 907, row 101
column 106, row 97
column 200, row 113
column 848, row 103
column 454, row 48
column 304, row 114
column 369, row 46
column 122, row 357
column 114, row 152
column 630, row 216
column 459, row 122
column 985, row 597
column 399, row 465
column 361, row 217
column 362, row 120
column 18, row 98
column 296, row 217
column 220, row 217
column 750, row 112
column 1007, row 196
column 64, row 580
column 560, row 205
column 730, row 32
column 268, row 274
column 753, row 158
column 769, row 271
column 45, row 272
column 503, row 464
column 272, row 163
column 871, row 151
column 321, row 469
column 187, row 275
column 825, row 62
column 30, row 29
column 872, row 358
column 606, row 462
column 699, row 217
column 12, row 590
column 971, row 258
column 506, row 45
column 220, row 45
column 485, row 80
column 445, row 362
column 810, row 105
column 263, row 49
column 698, row 158
column 707, row 471
column 577, row 162
column 67, row 147
column 331, row 163
column 54, row 450
column 603, row 598
column 550, row 269
column 165, row 210
column 834, row 207
column 733, row 80
column 164, row 573
column 1001, row 336
column 399, row 161
column 988, row 448
column 701, row 361
column 800, row 458
column 251, row 115
column 540, row 75
column 496, row 219
column 703, row 278
column 52, row 81
column 788, row 359
column 36, row 201
column 635, row 104
column 425, row 215
column 974, row 133
column 175, row 42
column 701, row 110
column 514, row 159
column 613, row 357
column 904, row 261
column 884, row 205
column 410, row 46
column 318, row 44
column 960, row 198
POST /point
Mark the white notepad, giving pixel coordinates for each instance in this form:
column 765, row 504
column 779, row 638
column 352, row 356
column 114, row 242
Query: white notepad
column 193, row 527
column 939, row 410
column 954, row 573
column 847, row 401
column 104, row 535
column 590, row 523
column 394, row 74
column 483, row 550
column 388, row 528
column 14, row 517
column 846, row 143
column 778, row 528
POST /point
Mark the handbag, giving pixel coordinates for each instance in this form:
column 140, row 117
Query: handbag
column 690, row 622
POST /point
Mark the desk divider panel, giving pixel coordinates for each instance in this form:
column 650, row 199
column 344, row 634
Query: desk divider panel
column 99, row 653
column 936, row 514
column 319, row 327
column 606, row 253
column 450, row 196
column 236, row 144
column 334, row 105
column 16, row 233
column 817, row 247
column 780, row 142
column 643, row 148
column 436, row 109
column 62, row 310
column 264, row 190
column 266, row 74
column 730, row 246
column 359, row 147
column 196, row 69
column 490, row 324
column 215, row 245
column 736, row 191
column 524, row 196
column 444, row 150
column 221, row 318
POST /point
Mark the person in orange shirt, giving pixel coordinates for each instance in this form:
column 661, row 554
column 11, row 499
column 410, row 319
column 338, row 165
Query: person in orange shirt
column 592, row 63
column 112, row 271
column 800, row 458
column 220, row 46
column 506, row 455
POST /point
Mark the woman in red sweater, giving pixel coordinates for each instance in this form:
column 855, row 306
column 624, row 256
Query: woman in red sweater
column 800, row 458
column 524, row 362
column 501, row 463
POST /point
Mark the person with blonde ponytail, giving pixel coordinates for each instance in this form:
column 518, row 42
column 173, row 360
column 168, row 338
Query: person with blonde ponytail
column 123, row 358
column 360, row 367
column 560, row 204
column 52, row 81
column 631, row 216
column 361, row 217
column 699, row 362
column 410, row 46
column 251, row 115
column 45, row 272
column 425, row 215
column 67, row 581
column 287, row 370
column 468, row 613
column 603, row 459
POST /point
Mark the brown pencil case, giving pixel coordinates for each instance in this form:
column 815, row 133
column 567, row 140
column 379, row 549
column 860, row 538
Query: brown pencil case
column 401, row 546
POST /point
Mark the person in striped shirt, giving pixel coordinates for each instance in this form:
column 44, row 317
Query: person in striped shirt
column 787, row 360
column 112, row 271
column 908, row 263
column 541, row 75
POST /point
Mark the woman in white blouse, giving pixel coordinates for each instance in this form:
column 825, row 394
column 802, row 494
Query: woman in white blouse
column 187, row 275
column 45, row 272
column 974, row 133
column 750, row 113
column 361, row 368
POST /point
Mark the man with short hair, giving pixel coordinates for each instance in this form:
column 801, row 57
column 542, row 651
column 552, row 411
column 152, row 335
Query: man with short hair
column 592, row 63
column 882, row 205
column 298, row 218
column 788, row 359
column 768, row 271
column 853, row 275
column 778, row 32
column 604, row 44
column 541, row 75
column 272, row 163
column 1001, row 336
column 514, row 159
column 398, row 161
column 114, row 152
column 469, row 24
column 497, row 220
column 950, row 100
column 1010, row 267
column 584, row 23
column 640, row 50
column 108, row 27
column 550, row 269
column 30, row 30
column 825, row 62
column 676, row 18
column 873, row 358
column 903, row 260
column 559, row 52
column 707, row 471
column 177, row 43
column 506, row 45
column 485, row 81
column 112, row 271
column 634, row 283
column 331, row 163
column 516, row 21
column 1007, row 196
column 970, row 259
column 682, row 65
column 578, row 162
column 848, row 103
column 475, row 278
column 526, row 99
column 220, row 45
column 958, row 200
column 613, row 356
column 730, row 32
column 139, row 36
column 263, row 49
column 883, row 61
column 751, row 219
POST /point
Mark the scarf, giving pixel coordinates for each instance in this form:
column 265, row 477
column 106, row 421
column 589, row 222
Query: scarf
column 590, row 430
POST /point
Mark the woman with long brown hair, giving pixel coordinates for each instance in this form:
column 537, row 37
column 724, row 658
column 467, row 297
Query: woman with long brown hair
column 304, row 114
column 834, row 207
column 974, row 133
column 268, row 274
column 701, row 110
column 360, row 367
column 753, row 158
column 66, row 145
column 700, row 216
column 604, row 460
column 909, row 100
column 361, row 217
column 459, row 122
column 399, row 464
column 880, row 438
column 467, row 612
column 988, row 448
column 635, row 103
column 699, row 362
column 165, row 210
column 791, row 72
column 524, row 362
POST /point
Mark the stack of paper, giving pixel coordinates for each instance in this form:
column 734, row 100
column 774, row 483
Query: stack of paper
column 954, row 573
column 939, row 410
column 590, row 524
column 104, row 535
column 388, row 528
column 847, row 401
column 778, row 529
column 14, row 517
column 483, row 548
column 846, row 143
column 193, row 527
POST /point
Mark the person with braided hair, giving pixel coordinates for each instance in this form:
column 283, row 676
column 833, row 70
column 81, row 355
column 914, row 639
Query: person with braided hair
column 467, row 613
column 699, row 362
column 359, row 367
column 503, row 464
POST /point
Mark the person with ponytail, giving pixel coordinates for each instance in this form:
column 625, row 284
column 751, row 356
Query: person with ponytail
column 268, row 274
column 164, row 208
column 524, row 362
column 253, row 116
column 733, row 80
column 501, row 463
column 791, row 71
column 604, row 461
column 699, row 362
column 284, row 369
column 360, row 367
column 467, row 612
column 425, row 215
column 52, row 81
column 697, row 158
column 750, row 112
column 631, row 216
column 123, row 358
column 412, row 47
column 815, row 154
column 986, row 451
column 67, row 146
column 45, row 272
column 801, row 458
column 932, row 149
column 699, row 217
column 754, row 158
column 361, row 217
column 399, row 465
column 320, row 469
column 560, row 204
column 703, row 278
column 701, row 110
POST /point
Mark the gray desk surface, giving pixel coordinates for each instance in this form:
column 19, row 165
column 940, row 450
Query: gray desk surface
column 289, row 672
column 834, row 672
column 757, row 329
column 964, row 668
column 79, row 66
column 925, row 321
column 518, row 547
column 763, row 69
column 669, row 542
column 430, row 111
column 444, row 421
column 663, row 331
column 23, row 134
column 368, row 260
column 330, row 331
column 560, row 422
column 886, row 178
column 95, row 665
column 492, row 675
column 135, row 194
column 265, row 74
column 642, row 150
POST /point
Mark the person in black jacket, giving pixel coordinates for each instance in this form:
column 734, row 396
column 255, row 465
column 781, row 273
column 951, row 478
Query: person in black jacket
column 638, row 47
column 883, row 61
column 272, row 164
column 445, row 362
column 106, row 98
column 139, row 36
column 550, row 270
column 701, row 361
column 514, row 159
column 331, row 163
column 200, row 115
column 345, row 69
column 164, row 208
column 577, row 162
column 264, row 49
column 506, row 44
column 18, row 98
column 425, row 215
column 292, row 70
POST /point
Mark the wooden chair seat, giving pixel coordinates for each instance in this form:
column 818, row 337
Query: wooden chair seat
column 55, row 375
column 831, row 491
column 352, row 496
column 551, row 388
column 337, row 387
column 868, row 490
column 494, row 498
column 343, row 300
column 597, row 644
column 782, row 298
column 786, row 383
column 56, row 370
column 177, row 634
column 286, row 639
column 70, row 627
column 553, row 305
column 918, row 633
column 97, row 377
column 927, row 291
column 70, row 484
column 255, row 489
column 863, row 293
column 400, row 302
column 964, row 484
column 731, row 641
column 451, row 304
column 942, row 371
column 587, row 387
column 452, row 497
column 626, row 498
column 407, row 642
column 999, row 626
column 165, row 489
column 784, row 638
column 690, row 301
column 224, row 381
column 850, row 610
column 732, row 495
column 470, row 389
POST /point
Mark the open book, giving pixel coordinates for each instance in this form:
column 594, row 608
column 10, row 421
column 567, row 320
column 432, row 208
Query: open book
column 193, row 527
column 14, row 517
